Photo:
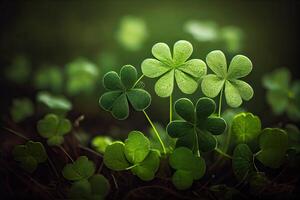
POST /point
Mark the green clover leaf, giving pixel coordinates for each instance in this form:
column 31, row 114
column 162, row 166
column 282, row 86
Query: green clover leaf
column 135, row 154
column 242, row 161
column 30, row 155
column 81, row 169
column 282, row 94
column 99, row 143
column 197, row 124
column 188, row 167
column 53, row 127
column 122, row 88
column 273, row 143
column 235, row 90
column 96, row 187
column 21, row 109
column 177, row 67
column 56, row 104
column 49, row 77
column 294, row 137
column 245, row 127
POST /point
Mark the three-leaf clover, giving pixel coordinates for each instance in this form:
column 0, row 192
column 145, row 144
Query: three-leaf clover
column 95, row 188
column 273, row 143
column 188, row 167
column 197, row 125
column 282, row 95
column 30, row 155
column 21, row 109
column 135, row 154
column 167, row 67
column 122, row 88
column 235, row 90
column 242, row 161
column 81, row 169
column 245, row 127
column 53, row 127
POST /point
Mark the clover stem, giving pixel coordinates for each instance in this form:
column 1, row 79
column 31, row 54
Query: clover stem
column 16, row 133
column 220, row 102
column 171, row 108
column 65, row 152
column 138, row 81
column 223, row 153
column 155, row 131
column 128, row 168
column 197, row 142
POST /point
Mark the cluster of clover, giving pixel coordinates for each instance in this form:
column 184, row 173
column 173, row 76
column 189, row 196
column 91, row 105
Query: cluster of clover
column 199, row 126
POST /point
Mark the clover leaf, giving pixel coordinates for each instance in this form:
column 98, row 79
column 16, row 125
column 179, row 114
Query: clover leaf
column 167, row 66
column 197, row 124
column 81, row 169
column 57, row 104
column 134, row 154
column 96, row 187
column 122, row 88
column 294, row 137
column 101, row 142
column 273, row 143
column 53, row 127
column 30, row 155
column 242, row 162
column 246, row 127
column 188, row 167
column 49, row 77
column 282, row 94
column 235, row 90
column 21, row 109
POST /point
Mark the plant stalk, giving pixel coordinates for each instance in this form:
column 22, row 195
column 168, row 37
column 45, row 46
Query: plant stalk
column 223, row 153
column 220, row 102
column 138, row 81
column 156, row 132
column 171, row 108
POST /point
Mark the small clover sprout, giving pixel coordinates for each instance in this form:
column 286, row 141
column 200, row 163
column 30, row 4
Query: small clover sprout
column 19, row 71
column 82, row 76
column 57, row 104
column 245, row 127
column 30, row 155
column 21, row 109
column 188, row 167
column 122, row 89
column 235, row 89
column 81, row 169
column 198, row 124
column 53, row 127
column 135, row 154
column 49, row 77
column 167, row 66
column 242, row 161
column 282, row 95
column 273, row 143
column 96, row 187
column 100, row 143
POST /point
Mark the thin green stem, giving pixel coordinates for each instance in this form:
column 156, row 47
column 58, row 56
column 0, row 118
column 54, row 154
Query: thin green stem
column 197, row 142
column 223, row 153
column 220, row 102
column 68, row 155
column 156, row 132
column 128, row 168
column 138, row 80
column 171, row 108
column 16, row 133
column 253, row 160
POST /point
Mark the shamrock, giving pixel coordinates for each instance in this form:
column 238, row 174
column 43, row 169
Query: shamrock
column 135, row 154
column 95, row 188
column 197, row 125
column 30, row 155
column 282, row 95
column 273, row 143
column 242, row 161
column 21, row 109
column 81, row 169
column 188, row 167
column 122, row 89
column 245, row 127
column 53, row 127
column 235, row 90
column 167, row 67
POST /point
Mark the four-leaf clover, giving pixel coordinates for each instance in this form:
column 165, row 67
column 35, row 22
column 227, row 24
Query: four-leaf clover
column 30, row 155
column 235, row 89
column 121, row 90
column 53, row 127
column 197, row 125
column 167, row 67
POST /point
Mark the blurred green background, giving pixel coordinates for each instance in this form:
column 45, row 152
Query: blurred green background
column 110, row 34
